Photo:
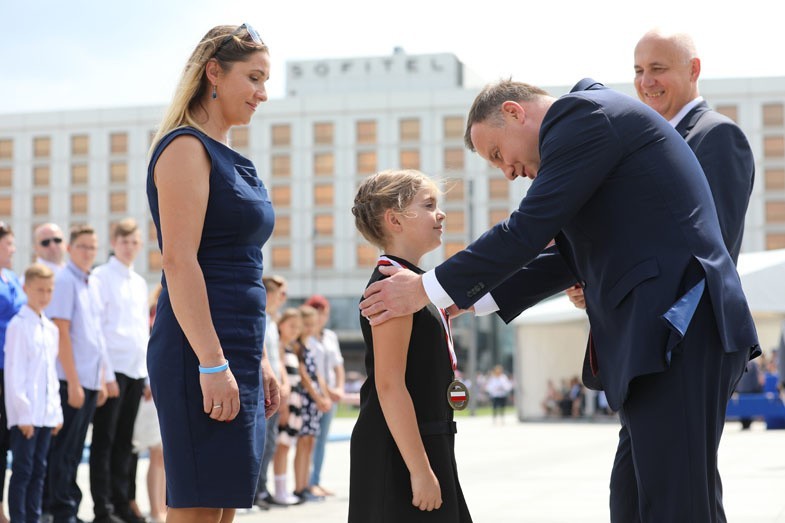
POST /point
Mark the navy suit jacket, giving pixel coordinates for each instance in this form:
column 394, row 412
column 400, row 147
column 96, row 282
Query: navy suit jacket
column 727, row 161
column 634, row 222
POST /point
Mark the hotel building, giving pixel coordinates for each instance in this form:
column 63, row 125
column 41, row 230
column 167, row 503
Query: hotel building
column 340, row 120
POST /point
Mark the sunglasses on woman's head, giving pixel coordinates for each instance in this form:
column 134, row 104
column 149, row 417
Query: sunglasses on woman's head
column 251, row 32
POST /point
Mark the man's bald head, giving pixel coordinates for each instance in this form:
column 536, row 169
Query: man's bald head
column 49, row 243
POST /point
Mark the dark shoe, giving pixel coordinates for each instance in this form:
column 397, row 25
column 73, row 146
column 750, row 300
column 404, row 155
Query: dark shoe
column 307, row 496
column 129, row 517
column 263, row 503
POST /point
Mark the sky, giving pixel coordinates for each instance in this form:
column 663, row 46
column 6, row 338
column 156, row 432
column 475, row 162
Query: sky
column 78, row 54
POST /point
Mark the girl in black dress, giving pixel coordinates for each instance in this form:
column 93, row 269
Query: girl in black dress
column 402, row 451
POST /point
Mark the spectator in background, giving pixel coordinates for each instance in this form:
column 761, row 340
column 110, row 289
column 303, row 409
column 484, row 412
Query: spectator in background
column 276, row 297
column 550, row 404
column 31, row 394
column 83, row 369
column 125, row 325
column 329, row 364
column 49, row 246
column 498, row 386
column 12, row 298
column 751, row 382
column 316, row 401
column 147, row 436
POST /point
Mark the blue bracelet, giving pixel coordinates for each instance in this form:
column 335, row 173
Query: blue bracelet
column 213, row 370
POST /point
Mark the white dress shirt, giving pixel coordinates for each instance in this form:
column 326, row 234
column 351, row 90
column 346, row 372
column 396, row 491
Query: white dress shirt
column 32, row 390
column 332, row 355
column 125, row 318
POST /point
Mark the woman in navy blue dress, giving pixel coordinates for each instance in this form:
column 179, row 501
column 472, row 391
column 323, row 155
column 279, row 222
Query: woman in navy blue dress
column 212, row 214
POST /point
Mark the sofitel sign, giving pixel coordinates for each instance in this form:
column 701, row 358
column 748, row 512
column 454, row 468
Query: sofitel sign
column 368, row 66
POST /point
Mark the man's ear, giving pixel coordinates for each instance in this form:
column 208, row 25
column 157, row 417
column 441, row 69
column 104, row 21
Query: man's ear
column 513, row 111
column 695, row 69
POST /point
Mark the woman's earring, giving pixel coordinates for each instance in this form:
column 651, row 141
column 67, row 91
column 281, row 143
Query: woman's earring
column 215, row 92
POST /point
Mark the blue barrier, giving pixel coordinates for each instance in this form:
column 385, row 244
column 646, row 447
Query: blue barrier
column 767, row 405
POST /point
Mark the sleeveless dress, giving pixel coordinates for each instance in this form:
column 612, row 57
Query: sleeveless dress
column 211, row 463
column 380, row 487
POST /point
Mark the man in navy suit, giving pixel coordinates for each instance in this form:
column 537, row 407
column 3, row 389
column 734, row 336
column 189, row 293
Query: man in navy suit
column 667, row 68
column 634, row 221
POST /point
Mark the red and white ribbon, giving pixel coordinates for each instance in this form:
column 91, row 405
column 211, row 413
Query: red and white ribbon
column 384, row 261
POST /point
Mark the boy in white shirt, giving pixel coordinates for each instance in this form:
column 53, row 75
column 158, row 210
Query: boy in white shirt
column 125, row 323
column 32, row 394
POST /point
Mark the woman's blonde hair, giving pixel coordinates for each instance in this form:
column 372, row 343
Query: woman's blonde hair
column 193, row 85
column 391, row 189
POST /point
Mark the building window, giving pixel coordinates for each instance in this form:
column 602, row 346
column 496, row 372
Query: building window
column 775, row 241
column 281, row 165
column 498, row 189
column 731, row 111
column 6, row 149
column 282, row 257
column 282, row 195
column 118, row 143
column 42, row 147
column 409, row 130
column 79, row 174
column 118, row 202
column 454, row 158
column 239, row 137
column 451, row 248
column 323, row 256
column 79, row 203
column 774, row 146
column 6, row 177
column 775, row 179
column 366, row 162
column 775, row 212
column 323, row 195
column 773, row 115
column 366, row 255
column 40, row 205
column 153, row 260
column 281, row 135
column 497, row 215
column 323, row 224
column 323, row 164
column 41, row 176
column 453, row 127
column 283, row 226
column 410, row 159
column 455, row 223
column 366, row 131
column 323, row 133
column 6, row 208
column 454, row 190
column 80, row 145
column 118, row 172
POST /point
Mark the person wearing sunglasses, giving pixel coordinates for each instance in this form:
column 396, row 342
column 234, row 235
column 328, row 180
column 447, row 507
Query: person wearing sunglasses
column 213, row 215
column 12, row 298
column 49, row 246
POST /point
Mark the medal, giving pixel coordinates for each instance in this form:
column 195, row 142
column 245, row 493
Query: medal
column 457, row 395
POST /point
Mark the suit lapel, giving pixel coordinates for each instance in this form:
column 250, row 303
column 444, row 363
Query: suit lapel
column 691, row 118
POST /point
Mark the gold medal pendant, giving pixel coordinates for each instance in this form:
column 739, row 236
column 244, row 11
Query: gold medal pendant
column 457, row 395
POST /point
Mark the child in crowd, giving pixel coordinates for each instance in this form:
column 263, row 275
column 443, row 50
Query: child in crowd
column 32, row 394
column 402, row 448
column 316, row 401
column 290, row 325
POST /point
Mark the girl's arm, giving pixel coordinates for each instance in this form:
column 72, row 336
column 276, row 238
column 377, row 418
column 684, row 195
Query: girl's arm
column 390, row 346
column 324, row 402
column 182, row 177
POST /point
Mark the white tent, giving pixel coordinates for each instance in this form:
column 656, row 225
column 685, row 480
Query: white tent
column 551, row 336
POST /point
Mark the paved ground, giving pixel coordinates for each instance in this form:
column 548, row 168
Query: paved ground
column 546, row 473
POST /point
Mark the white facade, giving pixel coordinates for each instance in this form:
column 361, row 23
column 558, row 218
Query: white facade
column 426, row 92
